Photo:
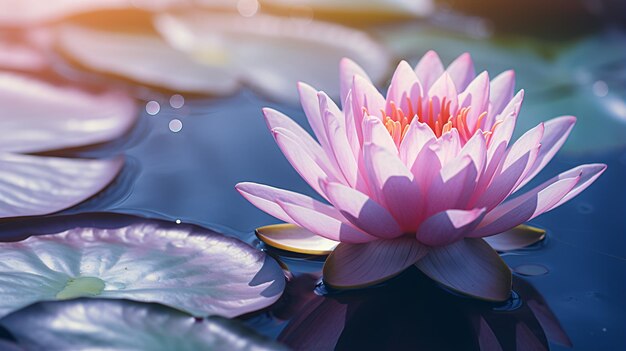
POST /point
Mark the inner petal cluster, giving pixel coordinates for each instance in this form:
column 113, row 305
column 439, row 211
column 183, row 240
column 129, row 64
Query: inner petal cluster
column 437, row 114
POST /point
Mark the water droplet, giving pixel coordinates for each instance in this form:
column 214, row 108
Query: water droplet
column 531, row 269
column 176, row 125
column 247, row 8
column 177, row 101
column 178, row 221
column 153, row 107
column 600, row 88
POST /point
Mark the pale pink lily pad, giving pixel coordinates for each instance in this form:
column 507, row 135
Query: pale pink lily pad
column 156, row 64
column 29, row 12
column 38, row 116
column 126, row 325
column 272, row 53
column 185, row 267
column 17, row 56
column 37, row 185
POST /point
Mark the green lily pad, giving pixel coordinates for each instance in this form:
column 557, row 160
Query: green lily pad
column 185, row 267
column 89, row 324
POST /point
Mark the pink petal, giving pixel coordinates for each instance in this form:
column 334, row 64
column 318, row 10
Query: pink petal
column 351, row 127
column 301, row 160
column 392, row 185
column 38, row 185
column 462, row 71
column 502, row 90
column 292, row 238
column 448, row 226
column 38, row 116
column 587, row 173
column 365, row 97
column 504, row 131
column 470, row 267
column 426, row 166
column 311, row 106
column 341, row 150
column 533, row 203
column 448, row 146
column 275, row 119
column 329, row 227
column 429, row 69
column 266, row 199
column 452, row 187
column 443, row 88
column 404, row 85
column 374, row 132
column 347, row 70
column 418, row 135
column 556, row 132
column 476, row 149
column 519, row 158
column 516, row 238
column 476, row 97
column 362, row 211
column 359, row 265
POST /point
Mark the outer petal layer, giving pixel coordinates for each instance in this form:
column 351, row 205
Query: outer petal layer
column 470, row 267
column 361, row 265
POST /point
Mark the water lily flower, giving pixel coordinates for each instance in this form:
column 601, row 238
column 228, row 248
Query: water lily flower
column 418, row 177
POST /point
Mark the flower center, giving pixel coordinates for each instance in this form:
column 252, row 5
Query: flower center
column 437, row 114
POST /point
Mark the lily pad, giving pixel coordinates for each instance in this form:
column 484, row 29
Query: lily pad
column 38, row 185
column 185, row 267
column 292, row 238
column 272, row 53
column 38, row 116
column 89, row 324
column 156, row 64
column 29, row 12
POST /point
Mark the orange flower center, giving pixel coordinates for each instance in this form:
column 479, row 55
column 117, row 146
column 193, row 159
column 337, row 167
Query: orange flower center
column 440, row 120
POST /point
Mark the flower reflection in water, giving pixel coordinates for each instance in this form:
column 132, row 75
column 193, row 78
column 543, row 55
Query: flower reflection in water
column 410, row 312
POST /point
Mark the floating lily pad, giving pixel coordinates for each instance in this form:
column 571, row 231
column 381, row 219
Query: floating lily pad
column 38, row 116
column 273, row 53
column 292, row 238
column 516, row 238
column 37, row 185
column 156, row 64
column 28, row 12
column 191, row 269
column 89, row 324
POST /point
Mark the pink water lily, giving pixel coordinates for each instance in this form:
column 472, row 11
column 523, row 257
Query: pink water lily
column 420, row 176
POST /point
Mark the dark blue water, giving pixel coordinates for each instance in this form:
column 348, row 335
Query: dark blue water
column 578, row 273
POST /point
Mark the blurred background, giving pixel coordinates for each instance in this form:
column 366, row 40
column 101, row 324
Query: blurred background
column 199, row 71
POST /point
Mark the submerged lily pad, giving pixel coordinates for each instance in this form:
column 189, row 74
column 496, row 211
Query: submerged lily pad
column 37, row 116
column 89, row 324
column 156, row 64
column 38, row 185
column 191, row 269
column 272, row 53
